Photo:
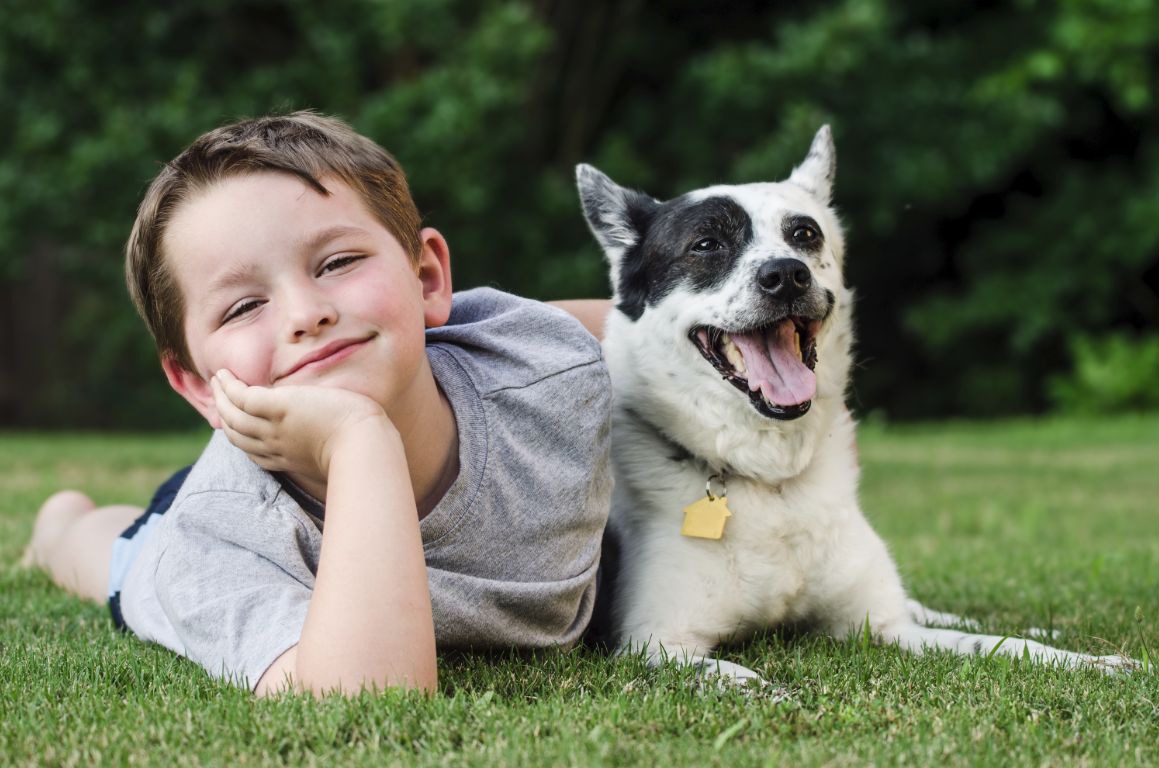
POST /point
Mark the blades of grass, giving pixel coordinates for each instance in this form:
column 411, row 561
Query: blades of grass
column 994, row 650
column 728, row 733
column 1146, row 654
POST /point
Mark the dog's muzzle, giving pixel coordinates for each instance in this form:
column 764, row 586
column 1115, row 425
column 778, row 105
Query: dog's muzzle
column 773, row 363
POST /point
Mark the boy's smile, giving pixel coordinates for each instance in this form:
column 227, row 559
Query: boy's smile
column 331, row 354
column 283, row 284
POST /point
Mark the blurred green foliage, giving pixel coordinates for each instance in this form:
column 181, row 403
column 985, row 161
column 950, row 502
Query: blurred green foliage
column 1112, row 374
column 998, row 171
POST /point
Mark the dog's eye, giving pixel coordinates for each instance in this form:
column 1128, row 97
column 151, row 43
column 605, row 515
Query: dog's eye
column 805, row 234
column 706, row 244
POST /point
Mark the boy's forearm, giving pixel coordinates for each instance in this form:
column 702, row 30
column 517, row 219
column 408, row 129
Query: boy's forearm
column 369, row 624
column 590, row 312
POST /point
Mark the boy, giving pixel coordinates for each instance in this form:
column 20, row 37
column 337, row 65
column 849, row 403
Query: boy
column 460, row 446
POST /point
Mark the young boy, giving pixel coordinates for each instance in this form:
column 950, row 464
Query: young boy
column 393, row 467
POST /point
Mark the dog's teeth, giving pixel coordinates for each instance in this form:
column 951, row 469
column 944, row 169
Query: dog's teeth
column 732, row 354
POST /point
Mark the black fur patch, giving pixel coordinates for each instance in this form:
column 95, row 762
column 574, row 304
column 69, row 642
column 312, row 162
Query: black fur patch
column 665, row 255
column 792, row 224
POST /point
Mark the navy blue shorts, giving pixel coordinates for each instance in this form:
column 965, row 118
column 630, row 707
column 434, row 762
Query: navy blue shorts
column 126, row 547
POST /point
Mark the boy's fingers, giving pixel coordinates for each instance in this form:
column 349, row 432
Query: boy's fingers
column 233, row 416
column 250, row 445
column 259, row 401
column 232, row 387
column 254, row 448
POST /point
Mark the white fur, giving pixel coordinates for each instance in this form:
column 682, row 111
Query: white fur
column 797, row 547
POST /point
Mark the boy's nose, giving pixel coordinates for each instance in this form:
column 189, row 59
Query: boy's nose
column 308, row 316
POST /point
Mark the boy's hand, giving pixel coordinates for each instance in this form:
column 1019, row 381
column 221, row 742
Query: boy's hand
column 292, row 428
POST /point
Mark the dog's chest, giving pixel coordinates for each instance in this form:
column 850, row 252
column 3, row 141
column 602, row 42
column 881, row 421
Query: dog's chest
column 766, row 564
column 775, row 543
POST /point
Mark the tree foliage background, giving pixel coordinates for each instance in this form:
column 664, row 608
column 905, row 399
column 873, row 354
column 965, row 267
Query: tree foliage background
column 998, row 166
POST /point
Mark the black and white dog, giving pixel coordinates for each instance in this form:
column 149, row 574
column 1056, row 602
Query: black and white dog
column 735, row 505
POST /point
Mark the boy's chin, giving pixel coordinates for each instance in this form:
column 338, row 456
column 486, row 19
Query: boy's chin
column 353, row 383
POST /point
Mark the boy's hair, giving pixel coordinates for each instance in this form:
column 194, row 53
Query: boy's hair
column 305, row 144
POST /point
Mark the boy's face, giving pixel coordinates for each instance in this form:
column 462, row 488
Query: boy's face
column 285, row 285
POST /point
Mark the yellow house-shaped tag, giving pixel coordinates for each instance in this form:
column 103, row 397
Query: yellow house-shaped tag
column 705, row 519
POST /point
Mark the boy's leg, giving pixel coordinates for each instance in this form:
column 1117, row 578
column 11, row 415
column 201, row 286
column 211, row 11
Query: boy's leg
column 73, row 541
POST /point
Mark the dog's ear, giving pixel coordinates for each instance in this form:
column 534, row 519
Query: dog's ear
column 815, row 173
column 615, row 214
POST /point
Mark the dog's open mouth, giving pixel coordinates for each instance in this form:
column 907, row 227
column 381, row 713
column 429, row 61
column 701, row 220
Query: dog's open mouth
column 773, row 365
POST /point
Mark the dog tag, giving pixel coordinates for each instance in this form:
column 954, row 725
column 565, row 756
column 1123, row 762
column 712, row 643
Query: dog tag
column 705, row 519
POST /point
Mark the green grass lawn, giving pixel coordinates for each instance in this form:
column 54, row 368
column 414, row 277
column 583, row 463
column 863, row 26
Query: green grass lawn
column 1019, row 524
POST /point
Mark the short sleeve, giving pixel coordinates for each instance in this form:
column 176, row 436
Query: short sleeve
column 234, row 587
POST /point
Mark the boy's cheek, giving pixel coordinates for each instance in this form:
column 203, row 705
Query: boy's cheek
column 193, row 389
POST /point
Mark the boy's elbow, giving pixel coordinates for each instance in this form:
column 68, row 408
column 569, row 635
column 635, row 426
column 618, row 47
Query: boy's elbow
column 424, row 677
column 353, row 683
column 288, row 674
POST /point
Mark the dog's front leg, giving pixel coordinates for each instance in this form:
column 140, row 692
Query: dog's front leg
column 927, row 617
column 917, row 639
column 871, row 591
column 668, row 612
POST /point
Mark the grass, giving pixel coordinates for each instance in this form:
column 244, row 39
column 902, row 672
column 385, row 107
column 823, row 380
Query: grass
column 1018, row 524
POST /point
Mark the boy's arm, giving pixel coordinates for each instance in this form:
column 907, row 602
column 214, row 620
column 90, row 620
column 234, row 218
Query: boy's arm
column 591, row 312
column 368, row 626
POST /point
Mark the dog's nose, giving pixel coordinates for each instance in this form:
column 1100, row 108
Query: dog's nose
column 784, row 279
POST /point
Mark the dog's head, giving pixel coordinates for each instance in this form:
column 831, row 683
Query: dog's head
column 746, row 279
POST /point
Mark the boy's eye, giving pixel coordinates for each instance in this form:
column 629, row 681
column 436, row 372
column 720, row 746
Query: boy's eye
column 338, row 262
column 241, row 309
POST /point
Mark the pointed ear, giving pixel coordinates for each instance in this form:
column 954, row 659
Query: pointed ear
column 193, row 388
column 614, row 213
column 816, row 172
column 434, row 273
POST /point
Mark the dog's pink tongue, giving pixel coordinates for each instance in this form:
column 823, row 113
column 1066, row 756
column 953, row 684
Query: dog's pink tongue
column 774, row 367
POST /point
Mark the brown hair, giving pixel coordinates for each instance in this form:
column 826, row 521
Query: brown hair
column 305, row 144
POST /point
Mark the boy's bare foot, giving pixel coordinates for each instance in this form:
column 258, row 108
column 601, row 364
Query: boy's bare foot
column 72, row 540
column 56, row 514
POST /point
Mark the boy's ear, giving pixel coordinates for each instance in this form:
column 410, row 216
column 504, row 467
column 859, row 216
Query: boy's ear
column 192, row 387
column 434, row 273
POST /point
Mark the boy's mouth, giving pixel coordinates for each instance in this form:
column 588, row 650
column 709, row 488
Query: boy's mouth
column 334, row 352
column 772, row 364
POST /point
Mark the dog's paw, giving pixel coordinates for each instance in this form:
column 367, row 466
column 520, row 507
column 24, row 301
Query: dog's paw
column 1114, row 665
column 928, row 617
column 725, row 675
column 709, row 667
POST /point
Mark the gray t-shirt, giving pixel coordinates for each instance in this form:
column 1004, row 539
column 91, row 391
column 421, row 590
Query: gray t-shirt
column 226, row 575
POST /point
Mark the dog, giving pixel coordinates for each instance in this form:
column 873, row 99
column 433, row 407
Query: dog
column 735, row 506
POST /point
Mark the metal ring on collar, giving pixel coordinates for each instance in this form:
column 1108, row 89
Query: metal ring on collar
column 708, row 486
